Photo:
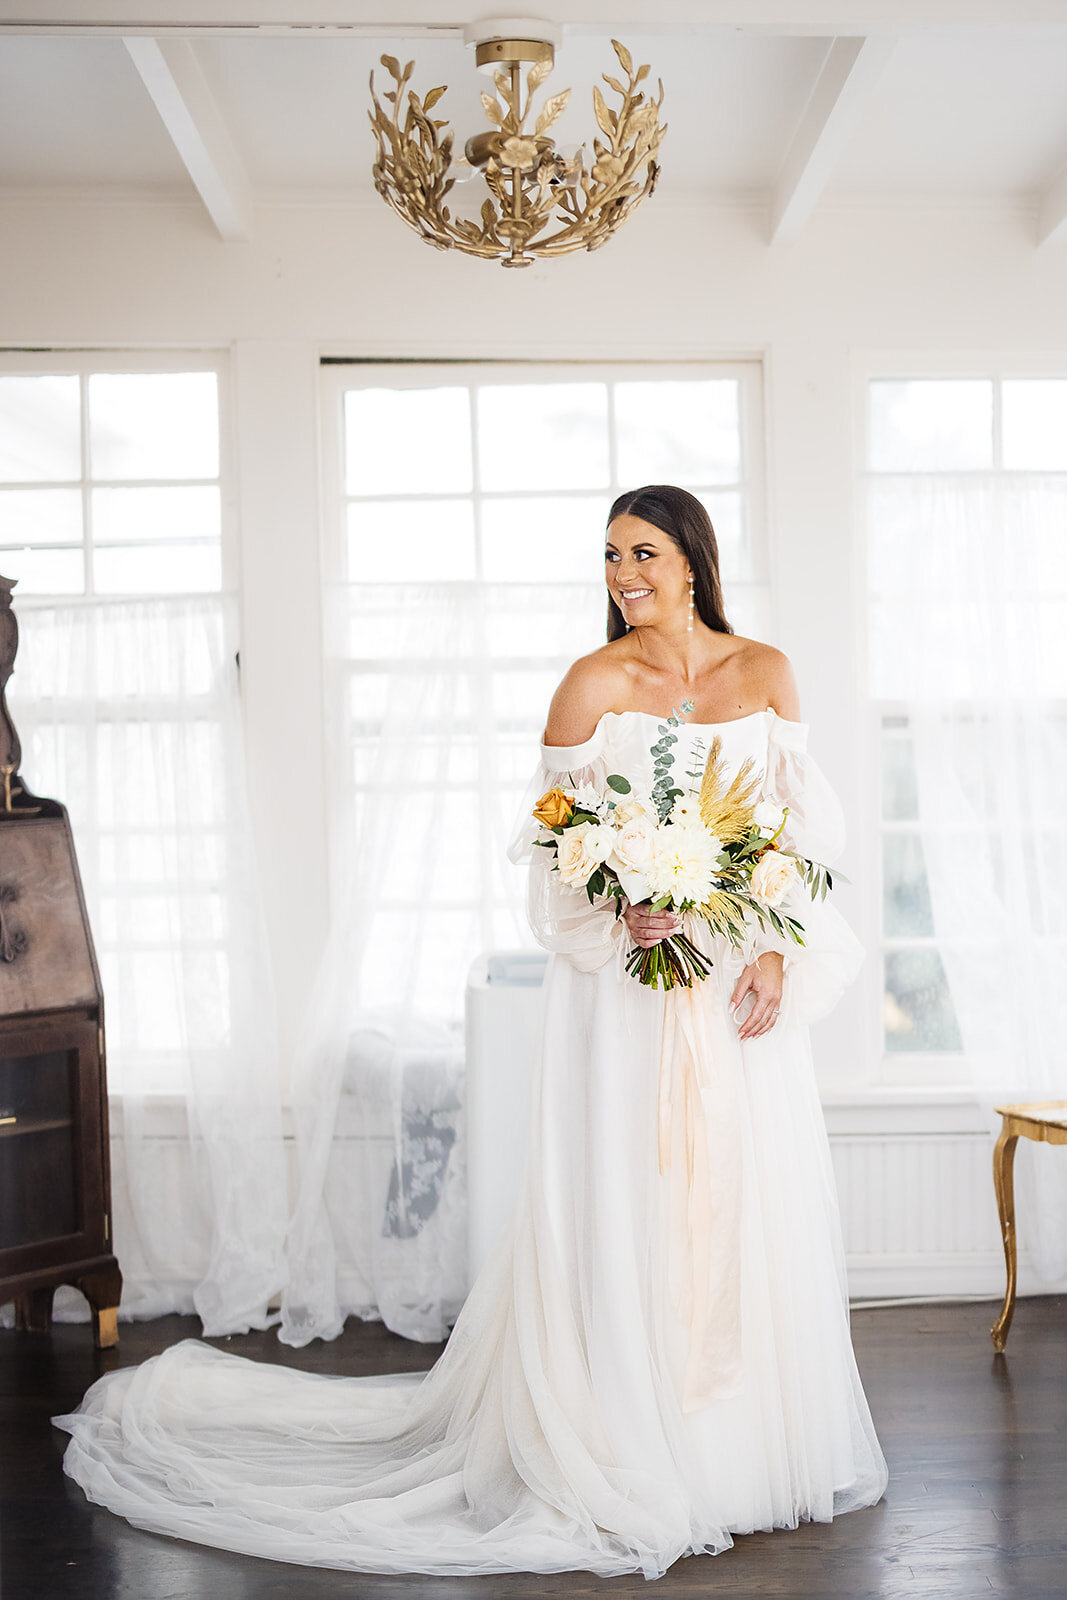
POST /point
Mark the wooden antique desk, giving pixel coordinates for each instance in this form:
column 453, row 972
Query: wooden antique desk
column 1045, row 1121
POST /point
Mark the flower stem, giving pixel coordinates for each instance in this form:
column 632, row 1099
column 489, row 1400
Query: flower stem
column 673, row 962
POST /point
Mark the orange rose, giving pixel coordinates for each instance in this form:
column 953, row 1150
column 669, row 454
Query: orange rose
column 553, row 809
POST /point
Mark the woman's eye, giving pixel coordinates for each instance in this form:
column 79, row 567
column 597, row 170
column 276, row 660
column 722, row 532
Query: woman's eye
column 609, row 555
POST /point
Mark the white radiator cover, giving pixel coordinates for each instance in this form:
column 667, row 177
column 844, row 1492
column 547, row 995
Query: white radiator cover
column 918, row 1213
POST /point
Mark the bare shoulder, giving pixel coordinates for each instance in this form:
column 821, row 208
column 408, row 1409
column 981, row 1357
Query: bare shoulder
column 590, row 687
column 770, row 674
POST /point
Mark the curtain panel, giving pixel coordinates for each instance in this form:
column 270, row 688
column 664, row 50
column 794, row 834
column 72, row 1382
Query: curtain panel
column 129, row 713
column 438, row 700
column 971, row 636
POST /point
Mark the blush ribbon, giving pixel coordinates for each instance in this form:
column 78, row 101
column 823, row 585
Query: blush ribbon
column 699, row 1141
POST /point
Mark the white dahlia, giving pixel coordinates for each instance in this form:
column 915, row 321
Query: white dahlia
column 684, row 868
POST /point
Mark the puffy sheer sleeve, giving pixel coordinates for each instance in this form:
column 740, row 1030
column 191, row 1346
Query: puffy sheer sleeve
column 817, row 972
column 561, row 917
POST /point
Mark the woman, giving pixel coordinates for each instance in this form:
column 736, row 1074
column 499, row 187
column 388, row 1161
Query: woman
column 657, row 1356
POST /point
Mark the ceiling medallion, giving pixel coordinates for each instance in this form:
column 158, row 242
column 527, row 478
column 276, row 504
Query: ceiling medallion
column 542, row 201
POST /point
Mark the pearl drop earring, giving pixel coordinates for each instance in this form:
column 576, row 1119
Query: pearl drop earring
column 690, row 623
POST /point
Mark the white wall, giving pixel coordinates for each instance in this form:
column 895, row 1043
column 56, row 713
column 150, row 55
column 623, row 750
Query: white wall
column 678, row 282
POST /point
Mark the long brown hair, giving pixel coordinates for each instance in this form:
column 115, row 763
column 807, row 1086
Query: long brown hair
column 679, row 515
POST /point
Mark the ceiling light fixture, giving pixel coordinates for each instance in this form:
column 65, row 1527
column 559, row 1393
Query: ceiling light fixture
column 542, row 201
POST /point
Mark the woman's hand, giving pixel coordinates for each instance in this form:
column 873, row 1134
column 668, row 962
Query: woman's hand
column 763, row 979
column 648, row 927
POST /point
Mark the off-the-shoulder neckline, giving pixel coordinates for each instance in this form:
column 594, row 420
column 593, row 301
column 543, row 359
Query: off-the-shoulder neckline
column 729, row 723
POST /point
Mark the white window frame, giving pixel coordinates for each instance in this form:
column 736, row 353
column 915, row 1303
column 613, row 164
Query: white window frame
column 931, row 1071
column 337, row 375
column 85, row 363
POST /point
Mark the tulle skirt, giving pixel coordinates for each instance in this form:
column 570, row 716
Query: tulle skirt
column 560, row 1429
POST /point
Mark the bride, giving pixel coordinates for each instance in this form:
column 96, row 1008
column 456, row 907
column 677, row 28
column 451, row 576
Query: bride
column 657, row 1356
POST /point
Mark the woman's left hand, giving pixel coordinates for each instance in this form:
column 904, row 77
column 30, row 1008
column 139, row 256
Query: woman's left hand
column 763, row 979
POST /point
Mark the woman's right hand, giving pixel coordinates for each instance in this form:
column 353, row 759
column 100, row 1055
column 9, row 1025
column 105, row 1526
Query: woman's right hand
column 648, row 927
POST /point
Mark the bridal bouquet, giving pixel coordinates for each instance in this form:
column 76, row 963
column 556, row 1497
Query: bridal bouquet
column 709, row 848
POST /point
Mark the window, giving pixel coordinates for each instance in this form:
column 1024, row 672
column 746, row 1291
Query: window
column 111, row 502
column 966, row 506
column 109, row 479
column 506, row 475
column 469, row 505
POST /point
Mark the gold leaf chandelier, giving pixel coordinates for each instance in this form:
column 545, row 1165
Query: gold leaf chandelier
column 542, row 201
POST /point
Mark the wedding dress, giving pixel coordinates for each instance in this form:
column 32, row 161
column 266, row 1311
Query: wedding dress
column 656, row 1357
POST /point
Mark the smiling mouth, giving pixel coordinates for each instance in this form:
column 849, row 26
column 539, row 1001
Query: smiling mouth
column 627, row 596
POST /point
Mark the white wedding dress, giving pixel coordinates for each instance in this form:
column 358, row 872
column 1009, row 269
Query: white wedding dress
column 652, row 1361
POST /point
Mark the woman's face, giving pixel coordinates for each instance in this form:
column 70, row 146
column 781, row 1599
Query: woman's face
column 646, row 573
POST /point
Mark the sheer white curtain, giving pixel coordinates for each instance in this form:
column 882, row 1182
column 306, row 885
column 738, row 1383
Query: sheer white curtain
column 972, row 631
column 441, row 694
column 129, row 713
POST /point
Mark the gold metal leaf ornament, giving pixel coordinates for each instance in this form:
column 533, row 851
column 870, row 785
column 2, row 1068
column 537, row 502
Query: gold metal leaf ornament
column 552, row 110
column 542, row 202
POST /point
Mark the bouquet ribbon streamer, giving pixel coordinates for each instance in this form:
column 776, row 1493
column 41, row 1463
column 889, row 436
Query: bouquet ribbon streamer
column 700, row 1154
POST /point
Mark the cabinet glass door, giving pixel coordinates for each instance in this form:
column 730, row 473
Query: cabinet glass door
column 38, row 1149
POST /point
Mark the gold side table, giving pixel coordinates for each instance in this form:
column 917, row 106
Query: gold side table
column 1045, row 1121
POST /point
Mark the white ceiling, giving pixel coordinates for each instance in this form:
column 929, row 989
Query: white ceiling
column 957, row 111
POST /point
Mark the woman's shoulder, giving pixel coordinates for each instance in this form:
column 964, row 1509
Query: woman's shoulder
column 767, row 675
column 589, row 688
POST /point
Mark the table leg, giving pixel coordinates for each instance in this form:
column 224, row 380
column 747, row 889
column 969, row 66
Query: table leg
column 1003, row 1182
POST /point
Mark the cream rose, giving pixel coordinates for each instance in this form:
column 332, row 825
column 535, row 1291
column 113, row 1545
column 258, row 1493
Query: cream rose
column 633, row 807
column 772, row 877
column 633, row 853
column 581, row 850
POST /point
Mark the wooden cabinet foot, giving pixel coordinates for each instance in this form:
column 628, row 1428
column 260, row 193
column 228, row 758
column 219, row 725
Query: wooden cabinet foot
column 33, row 1310
column 106, row 1327
column 103, row 1290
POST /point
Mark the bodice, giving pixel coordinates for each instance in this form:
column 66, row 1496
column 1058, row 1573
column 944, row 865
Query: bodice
column 622, row 742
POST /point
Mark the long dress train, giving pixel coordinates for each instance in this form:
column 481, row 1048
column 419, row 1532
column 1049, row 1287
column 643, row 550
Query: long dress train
column 656, row 1357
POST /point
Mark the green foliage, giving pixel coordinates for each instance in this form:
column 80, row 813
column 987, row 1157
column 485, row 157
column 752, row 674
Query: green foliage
column 819, row 879
column 664, row 791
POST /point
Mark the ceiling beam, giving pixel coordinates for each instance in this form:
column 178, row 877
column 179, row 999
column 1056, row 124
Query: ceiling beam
column 174, row 78
column 849, row 72
column 1052, row 210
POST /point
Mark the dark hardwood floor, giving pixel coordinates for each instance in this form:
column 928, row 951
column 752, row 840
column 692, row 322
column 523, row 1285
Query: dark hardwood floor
column 977, row 1502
